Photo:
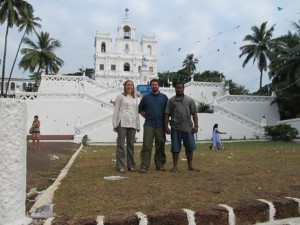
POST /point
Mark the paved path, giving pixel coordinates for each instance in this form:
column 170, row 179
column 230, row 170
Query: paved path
column 290, row 221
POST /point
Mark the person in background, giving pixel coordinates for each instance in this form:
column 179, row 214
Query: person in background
column 216, row 139
column 152, row 108
column 126, row 123
column 182, row 109
column 36, row 133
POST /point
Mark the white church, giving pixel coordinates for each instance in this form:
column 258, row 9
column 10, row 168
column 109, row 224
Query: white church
column 76, row 106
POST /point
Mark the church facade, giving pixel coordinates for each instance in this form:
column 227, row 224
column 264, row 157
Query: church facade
column 125, row 57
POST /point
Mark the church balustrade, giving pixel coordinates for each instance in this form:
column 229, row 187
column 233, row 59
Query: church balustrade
column 64, row 96
column 245, row 99
column 204, row 84
column 93, row 125
column 72, row 79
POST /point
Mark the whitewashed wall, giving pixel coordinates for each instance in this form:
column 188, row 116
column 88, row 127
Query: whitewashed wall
column 68, row 106
column 59, row 117
column 13, row 148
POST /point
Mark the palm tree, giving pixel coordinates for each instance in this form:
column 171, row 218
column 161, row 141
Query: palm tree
column 285, row 71
column 10, row 12
column 285, row 63
column 27, row 22
column 258, row 49
column 296, row 26
column 189, row 63
column 41, row 54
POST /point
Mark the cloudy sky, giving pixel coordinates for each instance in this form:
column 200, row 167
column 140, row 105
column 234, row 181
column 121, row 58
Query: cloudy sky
column 212, row 30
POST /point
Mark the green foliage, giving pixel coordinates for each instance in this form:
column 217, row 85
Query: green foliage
column 284, row 132
column 204, row 108
column 84, row 140
column 236, row 89
column 209, row 76
column 258, row 47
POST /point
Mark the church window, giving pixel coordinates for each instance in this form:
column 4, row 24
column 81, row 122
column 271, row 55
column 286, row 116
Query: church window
column 150, row 68
column 127, row 32
column 126, row 67
column 103, row 47
column 113, row 67
column 101, row 67
column 24, row 86
column 12, row 86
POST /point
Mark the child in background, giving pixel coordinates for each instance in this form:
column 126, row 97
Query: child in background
column 216, row 139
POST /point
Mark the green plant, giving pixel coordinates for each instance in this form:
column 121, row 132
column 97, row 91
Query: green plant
column 284, row 132
column 203, row 108
column 84, row 140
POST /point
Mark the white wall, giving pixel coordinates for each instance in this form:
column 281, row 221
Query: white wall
column 58, row 117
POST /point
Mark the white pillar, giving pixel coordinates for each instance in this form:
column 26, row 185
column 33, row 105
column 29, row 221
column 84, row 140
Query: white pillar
column 13, row 116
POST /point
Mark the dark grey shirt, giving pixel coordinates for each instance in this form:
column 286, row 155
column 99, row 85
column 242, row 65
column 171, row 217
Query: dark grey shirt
column 181, row 109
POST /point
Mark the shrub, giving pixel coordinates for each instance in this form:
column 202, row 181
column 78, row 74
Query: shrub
column 204, row 108
column 84, row 140
column 284, row 132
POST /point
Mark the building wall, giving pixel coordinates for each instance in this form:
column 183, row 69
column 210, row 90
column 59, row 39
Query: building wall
column 68, row 106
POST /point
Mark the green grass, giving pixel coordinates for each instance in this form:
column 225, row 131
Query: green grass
column 245, row 171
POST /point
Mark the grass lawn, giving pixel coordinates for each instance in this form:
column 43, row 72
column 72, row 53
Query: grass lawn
column 245, row 171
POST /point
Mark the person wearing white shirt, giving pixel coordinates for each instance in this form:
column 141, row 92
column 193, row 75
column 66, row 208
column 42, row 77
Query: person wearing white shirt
column 126, row 123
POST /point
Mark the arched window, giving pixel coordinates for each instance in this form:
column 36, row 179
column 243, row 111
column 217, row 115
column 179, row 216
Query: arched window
column 127, row 32
column 12, row 86
column 103, row 47
column 24, row 86
column 126, row 67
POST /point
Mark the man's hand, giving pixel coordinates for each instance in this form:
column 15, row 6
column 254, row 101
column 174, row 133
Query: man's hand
column 167, row 130
column 143, row 114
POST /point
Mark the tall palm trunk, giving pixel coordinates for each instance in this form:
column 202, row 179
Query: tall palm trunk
column 4, row 61
column 260, row 79
column 12, row 68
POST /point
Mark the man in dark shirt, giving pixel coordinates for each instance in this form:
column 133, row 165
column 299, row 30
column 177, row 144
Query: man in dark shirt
column 182, row 109
column 152, row 108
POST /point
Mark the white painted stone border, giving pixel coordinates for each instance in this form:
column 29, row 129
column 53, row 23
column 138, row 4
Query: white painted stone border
column 47, row 196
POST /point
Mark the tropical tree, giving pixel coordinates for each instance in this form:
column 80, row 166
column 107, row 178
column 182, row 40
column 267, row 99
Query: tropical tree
column 259, row 47
column 40, row 55
column 236, row 89
column 285, row 73
column 10, row 12
column 29, row 23
column 209, row 76
column 189, row 64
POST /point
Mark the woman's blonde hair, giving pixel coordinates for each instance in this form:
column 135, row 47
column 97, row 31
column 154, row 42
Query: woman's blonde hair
column 133, row 91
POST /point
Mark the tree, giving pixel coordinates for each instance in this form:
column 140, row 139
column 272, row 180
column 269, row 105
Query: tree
column 285, row 73
column 259, row 47
column 10, row 12
column 27, row 22
column 41, row 54
column 236, row 89
column 189, row 64
column 209, row 76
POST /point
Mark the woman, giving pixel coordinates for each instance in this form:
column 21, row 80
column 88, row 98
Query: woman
column 126, row 122
column 36, row 135
column 216, row 138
